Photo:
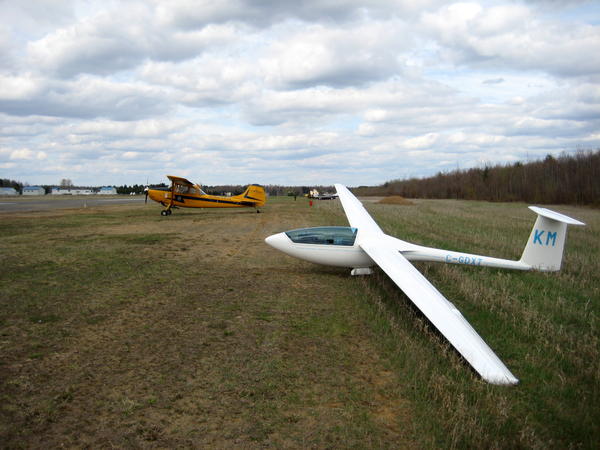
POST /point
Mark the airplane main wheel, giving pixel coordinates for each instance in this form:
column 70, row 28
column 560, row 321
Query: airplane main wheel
column 169, row 212
column 164, row 212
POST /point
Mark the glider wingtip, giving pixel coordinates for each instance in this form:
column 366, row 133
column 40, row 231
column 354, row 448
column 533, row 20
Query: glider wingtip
column 502, row 380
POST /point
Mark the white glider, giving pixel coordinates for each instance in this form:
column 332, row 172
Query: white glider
column 364, row 244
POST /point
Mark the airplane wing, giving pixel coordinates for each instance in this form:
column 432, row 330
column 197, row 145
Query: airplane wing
column 179, row 180
column 355, row 212
column 442, row 313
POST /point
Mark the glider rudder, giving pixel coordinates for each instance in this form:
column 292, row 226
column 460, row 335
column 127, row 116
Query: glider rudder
column 544, row 249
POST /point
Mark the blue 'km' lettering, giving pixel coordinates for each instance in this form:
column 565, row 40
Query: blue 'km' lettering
column 550, row 237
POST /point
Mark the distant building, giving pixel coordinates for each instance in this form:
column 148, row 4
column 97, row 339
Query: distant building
column 107, row 190
column 8, row 191
column 34, row 190
column 71, row 191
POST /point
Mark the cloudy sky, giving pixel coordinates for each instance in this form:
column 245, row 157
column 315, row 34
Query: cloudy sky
column 291, row 92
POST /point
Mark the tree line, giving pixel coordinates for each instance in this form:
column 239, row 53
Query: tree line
column 5, row 182
column 572, row 178
column 270, row 189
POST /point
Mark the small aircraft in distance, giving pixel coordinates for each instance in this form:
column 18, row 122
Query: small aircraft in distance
column 185, row 194
column 363, row 244
column 327, row 196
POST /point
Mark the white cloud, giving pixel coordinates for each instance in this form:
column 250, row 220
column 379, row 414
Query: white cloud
column 512, row 36
column 291, row 92
column 27, row 155
column 425, row 141
column 19, row 87
column 85, row 97
column 338, row 57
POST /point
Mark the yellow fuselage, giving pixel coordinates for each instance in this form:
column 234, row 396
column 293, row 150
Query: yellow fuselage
column 195, row 200
column 193, row 197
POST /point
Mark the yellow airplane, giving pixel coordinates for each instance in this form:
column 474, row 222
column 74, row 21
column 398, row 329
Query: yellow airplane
column 185, row 194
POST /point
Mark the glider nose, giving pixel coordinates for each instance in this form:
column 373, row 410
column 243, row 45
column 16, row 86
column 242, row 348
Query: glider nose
column 278, row 241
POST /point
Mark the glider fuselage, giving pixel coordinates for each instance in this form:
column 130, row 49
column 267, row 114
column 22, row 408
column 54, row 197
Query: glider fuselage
column 337, row 246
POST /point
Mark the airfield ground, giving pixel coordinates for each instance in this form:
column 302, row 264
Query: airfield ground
column 121, row 328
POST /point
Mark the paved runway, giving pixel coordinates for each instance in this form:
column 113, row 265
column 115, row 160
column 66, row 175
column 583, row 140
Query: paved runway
column 51, row 202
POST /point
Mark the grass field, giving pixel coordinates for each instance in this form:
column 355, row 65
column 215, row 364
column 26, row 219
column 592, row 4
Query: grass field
column 119, row 327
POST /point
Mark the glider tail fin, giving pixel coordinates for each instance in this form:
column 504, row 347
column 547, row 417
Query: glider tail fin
column 255, row 193
column 544, row 249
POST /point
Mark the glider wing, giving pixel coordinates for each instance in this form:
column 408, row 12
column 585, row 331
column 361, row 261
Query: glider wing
column 355, row 212
column 442, row 313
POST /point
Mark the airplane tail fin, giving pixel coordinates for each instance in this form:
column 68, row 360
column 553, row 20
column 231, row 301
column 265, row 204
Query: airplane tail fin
column 255, row 193
column 544, row 249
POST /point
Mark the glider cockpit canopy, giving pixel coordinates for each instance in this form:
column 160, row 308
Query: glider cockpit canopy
column 323, row 235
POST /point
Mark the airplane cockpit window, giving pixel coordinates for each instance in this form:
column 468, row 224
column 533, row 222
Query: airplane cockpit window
column 181, row 188
column 323, row 235
column 195, row 190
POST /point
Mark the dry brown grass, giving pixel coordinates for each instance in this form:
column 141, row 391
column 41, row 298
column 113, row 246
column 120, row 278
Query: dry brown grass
column 130, row 329
column 122, row 328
